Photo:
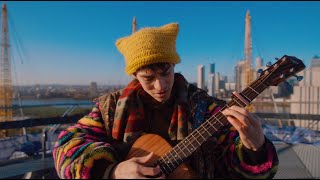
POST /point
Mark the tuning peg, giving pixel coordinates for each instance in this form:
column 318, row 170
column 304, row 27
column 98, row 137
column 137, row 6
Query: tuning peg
column 292, row 69
column 277, row 59
column 299, row 78
column 268, row 64
column 282, row 76
column 259, row 71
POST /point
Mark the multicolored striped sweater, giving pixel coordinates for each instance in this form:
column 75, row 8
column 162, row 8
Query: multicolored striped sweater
column 87, row 149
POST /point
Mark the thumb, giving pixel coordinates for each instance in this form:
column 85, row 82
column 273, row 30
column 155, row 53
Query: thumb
column 144, row 159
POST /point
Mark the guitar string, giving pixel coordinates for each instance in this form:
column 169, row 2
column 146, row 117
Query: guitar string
column 258, row 82
column 169, row 161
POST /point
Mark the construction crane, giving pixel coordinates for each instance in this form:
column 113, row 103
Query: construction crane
column 6, row 90
column 248, row 55
column 248, row 50
column 134, row 25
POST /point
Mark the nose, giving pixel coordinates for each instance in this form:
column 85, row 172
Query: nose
column 160, row 84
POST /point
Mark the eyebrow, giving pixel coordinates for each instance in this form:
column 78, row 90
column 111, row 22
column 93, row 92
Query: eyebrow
column 146, row 76
column 150, row 76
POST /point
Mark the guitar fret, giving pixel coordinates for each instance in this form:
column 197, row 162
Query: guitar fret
column 186, row 146
column 199, row 134
column 225, row 117
column 210, row 124
column 253, row 90
column 174, row 160
column 168, row 164
column 218, row 120
column 246, row 97
column 177, row 154
column 195, row 139
column 191, row 145
column 207, row 131
column 238, row 102
column 181, row 150
column 162, row 167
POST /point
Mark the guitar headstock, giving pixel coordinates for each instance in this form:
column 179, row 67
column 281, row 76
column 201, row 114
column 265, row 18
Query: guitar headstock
column 284, row 68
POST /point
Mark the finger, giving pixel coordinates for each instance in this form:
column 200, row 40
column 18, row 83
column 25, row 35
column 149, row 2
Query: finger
column 245, row 112
column 235, row 122
column 252, row 119
column 143, row 159
column 241, row 110
column 237, row 115
column 148, row 171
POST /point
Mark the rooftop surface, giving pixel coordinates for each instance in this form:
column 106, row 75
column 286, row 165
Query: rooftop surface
column 296, row 161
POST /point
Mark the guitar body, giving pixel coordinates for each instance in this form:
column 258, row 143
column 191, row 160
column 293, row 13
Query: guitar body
column 154, row 143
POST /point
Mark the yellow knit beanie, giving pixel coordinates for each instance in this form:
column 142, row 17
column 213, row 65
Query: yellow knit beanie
column 148, row 46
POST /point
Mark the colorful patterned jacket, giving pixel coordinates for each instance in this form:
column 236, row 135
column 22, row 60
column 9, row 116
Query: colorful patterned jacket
column 87, row 149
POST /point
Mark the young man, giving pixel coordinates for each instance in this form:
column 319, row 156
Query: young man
column 162, row 102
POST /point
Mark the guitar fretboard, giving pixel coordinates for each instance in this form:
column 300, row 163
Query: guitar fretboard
column 172, row 159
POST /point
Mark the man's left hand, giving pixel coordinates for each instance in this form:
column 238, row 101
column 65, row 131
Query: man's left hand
column 248, row 126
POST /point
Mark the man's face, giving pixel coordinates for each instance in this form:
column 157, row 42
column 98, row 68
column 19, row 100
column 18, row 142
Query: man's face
column 157, row 84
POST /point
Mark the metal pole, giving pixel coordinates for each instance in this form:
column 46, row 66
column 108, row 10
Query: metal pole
column 44, row 142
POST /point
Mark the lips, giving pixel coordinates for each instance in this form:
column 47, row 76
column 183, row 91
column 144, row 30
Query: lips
column 162, row 93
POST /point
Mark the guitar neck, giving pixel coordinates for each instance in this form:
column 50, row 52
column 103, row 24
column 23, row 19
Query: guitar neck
column 172, row 159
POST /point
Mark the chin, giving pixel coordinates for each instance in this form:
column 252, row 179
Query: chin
column 161, row 99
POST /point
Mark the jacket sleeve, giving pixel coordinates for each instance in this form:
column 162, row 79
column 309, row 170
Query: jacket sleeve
column 84, row 150
column 238, row 161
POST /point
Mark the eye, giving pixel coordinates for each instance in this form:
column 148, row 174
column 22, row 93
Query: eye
column 148, row 79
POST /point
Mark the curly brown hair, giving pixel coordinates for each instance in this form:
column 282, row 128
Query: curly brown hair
column 154, row 67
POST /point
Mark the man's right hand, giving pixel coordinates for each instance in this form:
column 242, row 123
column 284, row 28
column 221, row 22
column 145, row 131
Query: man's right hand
column 135, row 168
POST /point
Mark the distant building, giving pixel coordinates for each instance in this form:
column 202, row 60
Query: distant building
column 306, row 96
column 230, row 86
column 240, row 76
column 211, row 79
column 93, row 90
column 212, row 68
column 259, row 63
column 217, row 82
column 200, row 82
column 211, row 85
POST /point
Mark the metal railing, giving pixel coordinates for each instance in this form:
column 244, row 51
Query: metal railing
column 42, row 159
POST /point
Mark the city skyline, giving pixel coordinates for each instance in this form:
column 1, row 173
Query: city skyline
column 73, row 42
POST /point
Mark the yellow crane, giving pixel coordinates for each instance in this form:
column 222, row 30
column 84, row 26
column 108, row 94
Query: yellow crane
column 134, row 25
column 248, row 55
column 6, row 93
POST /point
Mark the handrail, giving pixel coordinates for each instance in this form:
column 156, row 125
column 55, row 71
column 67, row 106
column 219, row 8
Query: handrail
column 46, row 105
column 40, row 121
column 74, row 118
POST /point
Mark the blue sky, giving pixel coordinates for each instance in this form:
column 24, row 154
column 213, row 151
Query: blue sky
column 74, row 42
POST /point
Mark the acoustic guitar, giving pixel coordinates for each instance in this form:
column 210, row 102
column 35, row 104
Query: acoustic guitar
column 171, row 159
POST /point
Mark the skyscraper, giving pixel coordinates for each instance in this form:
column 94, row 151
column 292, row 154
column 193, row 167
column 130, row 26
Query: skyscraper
column 306, row 96
column 211, row 84
column 240, row 76
column 217, row 82
column 212, row 68
column 200, row 82
column 211, row 79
